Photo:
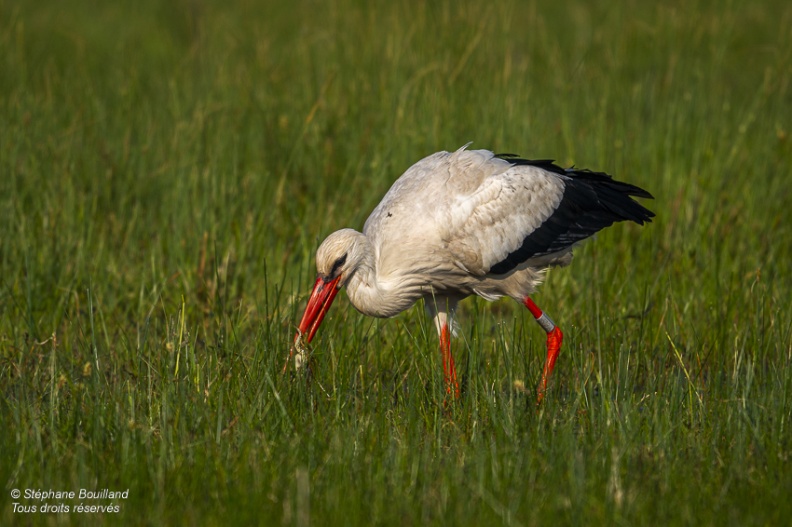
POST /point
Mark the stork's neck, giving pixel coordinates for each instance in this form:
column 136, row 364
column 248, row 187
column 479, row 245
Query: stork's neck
column 369, row 293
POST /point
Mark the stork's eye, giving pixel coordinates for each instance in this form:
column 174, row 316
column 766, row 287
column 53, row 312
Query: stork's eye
column 337, row 265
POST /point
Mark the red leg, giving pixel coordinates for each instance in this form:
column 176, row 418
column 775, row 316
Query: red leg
column 554, row 339
column 452, row 386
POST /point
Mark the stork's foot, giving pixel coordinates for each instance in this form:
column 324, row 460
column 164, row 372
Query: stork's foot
column 554, row 339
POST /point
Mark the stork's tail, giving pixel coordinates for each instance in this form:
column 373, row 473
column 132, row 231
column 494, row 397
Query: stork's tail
column 608, row 200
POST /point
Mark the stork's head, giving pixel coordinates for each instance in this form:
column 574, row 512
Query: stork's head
column 338, row 256
column 337, row 259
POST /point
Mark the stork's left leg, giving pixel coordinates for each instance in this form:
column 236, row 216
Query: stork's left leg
column 442, row 311
column 554, row 339
column 452, row 386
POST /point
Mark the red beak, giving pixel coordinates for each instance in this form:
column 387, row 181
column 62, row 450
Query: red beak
column 322, row 296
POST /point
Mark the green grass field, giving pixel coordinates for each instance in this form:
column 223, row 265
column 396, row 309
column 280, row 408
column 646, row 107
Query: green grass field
column 167, row 170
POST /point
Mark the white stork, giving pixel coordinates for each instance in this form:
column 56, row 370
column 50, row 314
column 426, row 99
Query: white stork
column 466, row 223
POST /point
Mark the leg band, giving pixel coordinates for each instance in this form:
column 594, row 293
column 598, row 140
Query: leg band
column 546, row 323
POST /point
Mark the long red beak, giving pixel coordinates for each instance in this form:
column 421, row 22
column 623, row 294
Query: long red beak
column 322, row 297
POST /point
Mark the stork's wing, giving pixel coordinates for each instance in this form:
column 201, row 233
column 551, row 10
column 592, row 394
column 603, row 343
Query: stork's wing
column 487, row 214
column 508, row 210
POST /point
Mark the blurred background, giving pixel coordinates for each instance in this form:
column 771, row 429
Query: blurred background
column 167, row 170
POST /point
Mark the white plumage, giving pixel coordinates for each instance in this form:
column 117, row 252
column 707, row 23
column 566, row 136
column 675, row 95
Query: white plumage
column 463, row 223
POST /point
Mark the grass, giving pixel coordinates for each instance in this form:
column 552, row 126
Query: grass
column 168, row 170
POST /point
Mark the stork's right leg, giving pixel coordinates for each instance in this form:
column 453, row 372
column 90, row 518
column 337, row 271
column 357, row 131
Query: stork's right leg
column 554, row 339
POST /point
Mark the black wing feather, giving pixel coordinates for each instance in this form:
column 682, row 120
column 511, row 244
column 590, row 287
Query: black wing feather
column 591, row 202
